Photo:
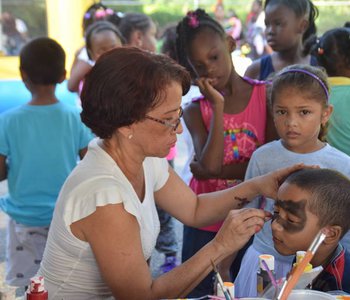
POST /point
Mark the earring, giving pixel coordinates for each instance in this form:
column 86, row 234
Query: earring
column 130, row 136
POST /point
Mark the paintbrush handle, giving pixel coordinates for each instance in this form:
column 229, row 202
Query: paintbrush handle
column 295, row 275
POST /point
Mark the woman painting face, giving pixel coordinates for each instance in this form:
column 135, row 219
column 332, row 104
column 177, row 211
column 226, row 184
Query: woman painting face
column 157, row 133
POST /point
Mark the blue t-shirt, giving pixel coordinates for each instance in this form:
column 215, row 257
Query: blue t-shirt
column 41, row 143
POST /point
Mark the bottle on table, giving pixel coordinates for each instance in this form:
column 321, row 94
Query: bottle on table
column 36, row 289
column 263, row 278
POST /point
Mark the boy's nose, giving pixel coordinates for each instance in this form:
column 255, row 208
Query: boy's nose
column 275, row 226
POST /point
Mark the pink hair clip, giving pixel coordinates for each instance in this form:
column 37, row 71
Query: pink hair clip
column 192, row 19
column 109, row 11
column 100, row 13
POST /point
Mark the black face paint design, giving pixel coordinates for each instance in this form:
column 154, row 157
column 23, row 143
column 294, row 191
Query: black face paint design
column 242, row 201
column 295, row 208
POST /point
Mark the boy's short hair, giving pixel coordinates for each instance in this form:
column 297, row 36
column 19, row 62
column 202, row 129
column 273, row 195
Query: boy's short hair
column 330, row 200
column 43, row 60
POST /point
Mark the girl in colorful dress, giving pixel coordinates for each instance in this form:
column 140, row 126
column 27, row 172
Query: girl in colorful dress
column 227, row 124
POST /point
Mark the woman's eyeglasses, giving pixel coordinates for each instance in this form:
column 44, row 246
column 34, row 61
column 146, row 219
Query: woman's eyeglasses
column 174, row 126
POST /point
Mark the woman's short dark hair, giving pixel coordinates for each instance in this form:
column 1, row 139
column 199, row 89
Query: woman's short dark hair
column 124, row 85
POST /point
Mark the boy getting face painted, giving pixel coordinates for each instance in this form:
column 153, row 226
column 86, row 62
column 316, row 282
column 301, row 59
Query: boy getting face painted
column 308, row 201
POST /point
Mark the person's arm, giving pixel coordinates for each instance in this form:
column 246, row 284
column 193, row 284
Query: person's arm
column 208, row 146
column 82, row 152
column 253, row 71
column 78, row 71
column 270, row 131
column 225, row 265
column 236, row 171
column 114, row 236
column 3, row 168
column 206, row 209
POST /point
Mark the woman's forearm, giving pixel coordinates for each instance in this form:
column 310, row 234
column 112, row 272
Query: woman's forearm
column 214, row 207
column 181, row 280
column 235, row 232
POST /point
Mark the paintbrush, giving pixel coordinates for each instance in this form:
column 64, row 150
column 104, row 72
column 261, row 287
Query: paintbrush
column 299, row 269
column 221, row 283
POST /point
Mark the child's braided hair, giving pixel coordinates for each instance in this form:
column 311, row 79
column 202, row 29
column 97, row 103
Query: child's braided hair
column 193, row 23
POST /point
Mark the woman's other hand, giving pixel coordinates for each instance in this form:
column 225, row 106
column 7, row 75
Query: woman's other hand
column 269, row 184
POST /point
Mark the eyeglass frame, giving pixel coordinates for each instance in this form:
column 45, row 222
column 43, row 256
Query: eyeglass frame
column 166, row 123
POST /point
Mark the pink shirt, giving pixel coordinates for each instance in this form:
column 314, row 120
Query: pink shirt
column 243, row 133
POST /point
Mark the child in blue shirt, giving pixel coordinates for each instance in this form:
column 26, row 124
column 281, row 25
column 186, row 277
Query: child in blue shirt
column 40, row 142
column 308, row 201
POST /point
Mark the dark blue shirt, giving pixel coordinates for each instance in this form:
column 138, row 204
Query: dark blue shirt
column 336, row 275
column 266, row 67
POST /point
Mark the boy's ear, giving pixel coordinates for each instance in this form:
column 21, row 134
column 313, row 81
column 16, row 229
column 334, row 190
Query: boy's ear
column 334, row 233
column 231, row 43
column 63, row 77
column 326, row 114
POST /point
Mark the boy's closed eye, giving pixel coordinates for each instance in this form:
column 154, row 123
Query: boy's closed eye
column 290, row 215
column 287, row 217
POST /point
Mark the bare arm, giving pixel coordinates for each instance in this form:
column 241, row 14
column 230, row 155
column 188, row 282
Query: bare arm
column 253, row 71
column 114, row 236
column 270, row 132
column 208, row 146
column 201, row 210
column 3, row 168
column 78, row 71
column 236, row 171
column 82, row 152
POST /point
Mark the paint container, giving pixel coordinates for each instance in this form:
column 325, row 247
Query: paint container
column 309, row 295
column 263, row 278
column 252, row 298
column 36, row 289
column 227, row 285
column 299, row 257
